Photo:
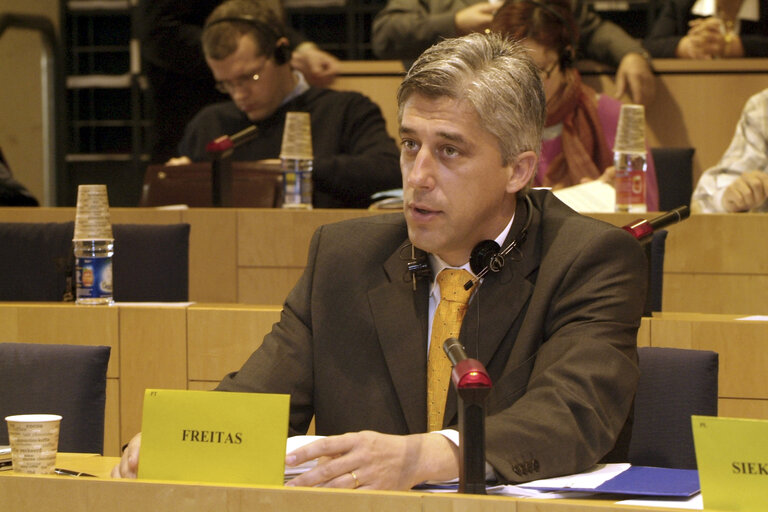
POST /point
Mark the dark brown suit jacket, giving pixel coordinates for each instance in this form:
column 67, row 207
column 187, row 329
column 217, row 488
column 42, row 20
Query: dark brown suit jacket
column 555, row 328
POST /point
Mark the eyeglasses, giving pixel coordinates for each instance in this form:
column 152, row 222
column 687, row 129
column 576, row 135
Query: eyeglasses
column 229, row 86
column 547, row 72
column 244, row 80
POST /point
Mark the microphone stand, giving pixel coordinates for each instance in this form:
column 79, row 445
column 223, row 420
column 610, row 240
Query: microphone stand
column 472, row 385
column 220, row 150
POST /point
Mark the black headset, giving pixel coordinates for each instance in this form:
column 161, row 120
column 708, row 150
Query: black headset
column 487, row 256
column 567, row 57
column 281, row 52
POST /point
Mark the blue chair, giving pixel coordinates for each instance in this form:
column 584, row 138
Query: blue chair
column 151, row 262
column 69, row 380
column 674, row 384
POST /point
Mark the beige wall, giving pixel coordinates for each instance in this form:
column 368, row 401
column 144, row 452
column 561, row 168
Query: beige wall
column 21, row 117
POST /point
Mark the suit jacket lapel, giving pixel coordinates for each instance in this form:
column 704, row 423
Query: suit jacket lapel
column 400, row 319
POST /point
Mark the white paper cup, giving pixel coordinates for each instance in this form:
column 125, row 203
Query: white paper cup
column 34, row 440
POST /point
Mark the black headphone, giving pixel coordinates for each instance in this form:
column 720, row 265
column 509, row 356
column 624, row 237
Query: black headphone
column 567, row 55
column 486, row 255
column 281, row 52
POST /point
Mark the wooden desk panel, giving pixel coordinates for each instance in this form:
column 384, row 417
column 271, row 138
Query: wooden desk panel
column 153, row 344
column 221, row 338
column 212, row 254
column 743, row 355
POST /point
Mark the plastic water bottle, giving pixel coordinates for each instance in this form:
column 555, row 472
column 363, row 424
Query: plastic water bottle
column 629, row 160
column 296, row 160
column 630, row 181
column 297, row 182
column 93, row 271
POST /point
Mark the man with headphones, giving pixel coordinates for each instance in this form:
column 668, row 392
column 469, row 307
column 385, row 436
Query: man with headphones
column 249, row 55
column 553, row 316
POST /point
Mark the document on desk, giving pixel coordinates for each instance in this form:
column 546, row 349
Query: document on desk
column 592, row 196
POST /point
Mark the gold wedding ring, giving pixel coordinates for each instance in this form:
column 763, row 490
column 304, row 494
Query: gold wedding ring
column 357, row 482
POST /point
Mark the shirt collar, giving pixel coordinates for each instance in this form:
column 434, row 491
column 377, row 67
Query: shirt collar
column 302, row 86
column 437, row 264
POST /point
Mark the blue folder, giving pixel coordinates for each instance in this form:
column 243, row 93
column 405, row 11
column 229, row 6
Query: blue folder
column 645, row 481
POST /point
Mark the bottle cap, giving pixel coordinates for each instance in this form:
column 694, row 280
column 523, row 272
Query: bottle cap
column 92, row 217
column 297, row 136
column 630, row 132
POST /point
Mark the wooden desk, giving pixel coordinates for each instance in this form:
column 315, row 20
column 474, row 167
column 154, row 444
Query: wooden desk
column 255, row 256
column 83, row 494
column 193, row 346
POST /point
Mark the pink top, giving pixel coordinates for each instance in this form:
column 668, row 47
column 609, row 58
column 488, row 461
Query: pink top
column 608, row 110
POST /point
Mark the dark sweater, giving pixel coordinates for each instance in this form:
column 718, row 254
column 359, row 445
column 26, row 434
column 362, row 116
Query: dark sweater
column 354, row 156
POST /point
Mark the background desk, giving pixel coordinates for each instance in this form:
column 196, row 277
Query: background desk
column 697, row 103
column 714, row 263
column 25, row 493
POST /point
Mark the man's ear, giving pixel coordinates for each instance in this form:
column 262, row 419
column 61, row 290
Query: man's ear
column 522, row 171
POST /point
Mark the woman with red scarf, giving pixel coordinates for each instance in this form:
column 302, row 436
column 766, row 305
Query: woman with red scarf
column 581, row 124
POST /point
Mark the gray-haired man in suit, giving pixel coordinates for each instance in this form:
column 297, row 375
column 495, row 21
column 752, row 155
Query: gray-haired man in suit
column 555, row 326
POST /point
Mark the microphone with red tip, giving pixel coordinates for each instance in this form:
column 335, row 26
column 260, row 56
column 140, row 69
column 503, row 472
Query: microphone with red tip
column 642, row 228
column 467, row 373
column 225, row 143
column 472, row 384
column 220, row 151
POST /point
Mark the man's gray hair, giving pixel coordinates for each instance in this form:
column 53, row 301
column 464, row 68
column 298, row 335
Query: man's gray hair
column 496, row 76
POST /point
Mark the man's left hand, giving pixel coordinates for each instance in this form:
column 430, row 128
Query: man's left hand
column 635, row 77
column 371, row 460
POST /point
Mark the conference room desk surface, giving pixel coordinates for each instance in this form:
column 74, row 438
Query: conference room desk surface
column 84, row 494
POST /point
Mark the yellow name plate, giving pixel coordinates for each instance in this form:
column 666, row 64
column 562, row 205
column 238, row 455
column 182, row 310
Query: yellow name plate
column 214, row 436
column 732, row 456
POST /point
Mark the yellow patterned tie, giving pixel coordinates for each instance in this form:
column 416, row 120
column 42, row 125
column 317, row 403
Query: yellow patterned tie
column 446, row 324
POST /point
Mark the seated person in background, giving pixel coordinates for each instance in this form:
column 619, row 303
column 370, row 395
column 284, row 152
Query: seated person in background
column 180, row 83
column 581, row 124
column 709, row 29
column 354, row 156
column 13, row 193
column 739, row 181
column 405, row 28
column 556, row 327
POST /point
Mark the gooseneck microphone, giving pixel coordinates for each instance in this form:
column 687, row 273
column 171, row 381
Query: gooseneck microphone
column 472, row 385
column 220, row 151
column 220, row 145
column 642, row 228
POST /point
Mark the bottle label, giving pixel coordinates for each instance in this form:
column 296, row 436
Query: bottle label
column 297, row 189
column 630, row 188
column 94, row 278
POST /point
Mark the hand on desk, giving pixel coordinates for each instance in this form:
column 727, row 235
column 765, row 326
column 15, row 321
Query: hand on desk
column 129, row 462
column 371, row 460
column 749, row 191
column 363, row 459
